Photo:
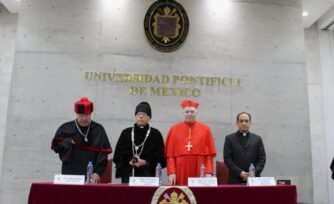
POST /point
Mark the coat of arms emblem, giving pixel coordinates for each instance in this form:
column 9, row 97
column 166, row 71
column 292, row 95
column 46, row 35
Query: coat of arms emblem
column 166, row 25
column 173, row 195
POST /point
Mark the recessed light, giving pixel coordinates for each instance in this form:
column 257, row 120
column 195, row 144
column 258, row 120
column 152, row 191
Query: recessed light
column 305, row 13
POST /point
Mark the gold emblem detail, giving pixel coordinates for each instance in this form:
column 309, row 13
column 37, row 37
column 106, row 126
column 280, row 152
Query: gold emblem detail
column 173, row 195
column 173, row 198
column 167, row 26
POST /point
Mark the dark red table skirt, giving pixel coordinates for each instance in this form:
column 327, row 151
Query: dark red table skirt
column 48, row 193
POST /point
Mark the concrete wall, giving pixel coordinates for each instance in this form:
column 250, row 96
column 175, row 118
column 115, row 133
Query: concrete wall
column 326, row 46
column 261, row 42
column 317, row 119
column 8, row 24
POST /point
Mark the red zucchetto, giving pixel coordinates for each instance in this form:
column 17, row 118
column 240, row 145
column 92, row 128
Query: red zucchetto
column 84, row 106
column 189, row 103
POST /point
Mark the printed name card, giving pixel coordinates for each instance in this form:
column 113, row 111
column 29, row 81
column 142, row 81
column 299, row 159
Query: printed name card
column 261, row 181
column 283, row 182
column 144, row 181
column 69, row 179
column 206, row 181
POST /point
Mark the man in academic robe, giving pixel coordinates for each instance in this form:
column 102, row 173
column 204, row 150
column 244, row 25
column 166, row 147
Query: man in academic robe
column 82, row 140
column 241, row 149
column 189, row 144
column 139, row 148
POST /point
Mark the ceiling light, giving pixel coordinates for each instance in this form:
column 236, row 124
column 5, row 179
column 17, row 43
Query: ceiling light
column 305, row 13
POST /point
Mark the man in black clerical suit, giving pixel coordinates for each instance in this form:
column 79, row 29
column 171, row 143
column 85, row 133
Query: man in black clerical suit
column 139, row 148
column 82, row 140
column 332, row 168
column 241, row 149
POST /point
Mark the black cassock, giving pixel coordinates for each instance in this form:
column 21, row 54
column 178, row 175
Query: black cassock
column 240, row 151
column 332, row 168
column 152, row 152
column 75, row 157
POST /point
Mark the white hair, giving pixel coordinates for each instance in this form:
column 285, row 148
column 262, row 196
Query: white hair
column 190, row 108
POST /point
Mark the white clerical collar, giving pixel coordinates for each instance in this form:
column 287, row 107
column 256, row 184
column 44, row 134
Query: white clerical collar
column 244, row 134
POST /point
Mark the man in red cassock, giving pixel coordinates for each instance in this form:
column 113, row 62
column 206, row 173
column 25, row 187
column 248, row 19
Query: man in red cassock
column 189, row 144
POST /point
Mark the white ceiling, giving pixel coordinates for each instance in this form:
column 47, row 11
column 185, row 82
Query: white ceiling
column 315, row 8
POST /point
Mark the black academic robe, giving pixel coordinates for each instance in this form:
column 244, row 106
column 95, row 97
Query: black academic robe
column 332, row 168
column 153, row 152
column 75, row 157
column 240, row 151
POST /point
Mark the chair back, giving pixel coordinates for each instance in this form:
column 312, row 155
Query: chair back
column 106, row 177
column 221, row 172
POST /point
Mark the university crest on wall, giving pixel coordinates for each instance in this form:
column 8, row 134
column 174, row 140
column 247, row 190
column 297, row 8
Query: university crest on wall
column 166, row 25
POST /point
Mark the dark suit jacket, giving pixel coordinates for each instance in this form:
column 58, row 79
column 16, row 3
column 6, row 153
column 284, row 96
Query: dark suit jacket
column 332, row 168
column 238, row 155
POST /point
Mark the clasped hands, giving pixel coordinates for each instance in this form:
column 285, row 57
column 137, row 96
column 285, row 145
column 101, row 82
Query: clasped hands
column 244, row 175
column 137, row 161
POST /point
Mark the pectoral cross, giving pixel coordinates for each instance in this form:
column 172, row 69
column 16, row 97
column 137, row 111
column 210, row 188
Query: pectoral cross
column 188, row 146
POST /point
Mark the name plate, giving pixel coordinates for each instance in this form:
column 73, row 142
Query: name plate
column 69, row 179
column 144, row 181
column 261, row 181
column 206, row 181
column 283, row 182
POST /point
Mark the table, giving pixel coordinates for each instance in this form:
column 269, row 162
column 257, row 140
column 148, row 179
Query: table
column 49, row 193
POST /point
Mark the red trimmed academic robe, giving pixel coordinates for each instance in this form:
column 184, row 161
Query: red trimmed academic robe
column 75, row 157
column 186, row 163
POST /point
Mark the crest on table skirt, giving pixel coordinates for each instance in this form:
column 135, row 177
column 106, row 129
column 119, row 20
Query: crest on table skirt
column 166, row 25
column 173, row 195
